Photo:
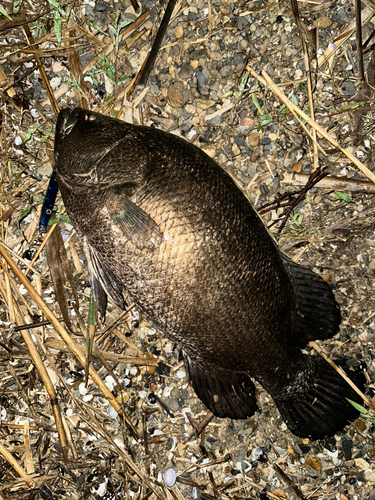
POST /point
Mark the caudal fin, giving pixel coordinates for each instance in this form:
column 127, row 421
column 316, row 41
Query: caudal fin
column 321, row 409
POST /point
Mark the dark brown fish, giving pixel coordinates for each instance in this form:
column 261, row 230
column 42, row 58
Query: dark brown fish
column 161, row 221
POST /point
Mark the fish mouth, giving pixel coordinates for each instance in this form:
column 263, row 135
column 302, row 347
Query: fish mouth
column 65, row 122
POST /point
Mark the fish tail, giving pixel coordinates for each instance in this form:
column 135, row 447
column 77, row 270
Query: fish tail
column 317, row 406
column 228, row 394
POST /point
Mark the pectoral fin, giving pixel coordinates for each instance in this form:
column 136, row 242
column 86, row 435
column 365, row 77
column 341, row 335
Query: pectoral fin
column 135, row 223
column 104, row 282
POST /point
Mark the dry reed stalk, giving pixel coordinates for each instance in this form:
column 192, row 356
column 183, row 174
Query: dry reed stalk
column 18, row 257
column 93, row 424
column 21, row 390
column 307, row 64
column 16, row 466
column 59, row 345
column 29, row 465
column 106, row 50
column 45, row 378
column 266, row 80
column 30, row 311
column 75, row 67
column 51, row 97
column 75, row 257
column 333, row 183
column 44, row 242
column 5, row 83
column 74, row 348
column 348, row 31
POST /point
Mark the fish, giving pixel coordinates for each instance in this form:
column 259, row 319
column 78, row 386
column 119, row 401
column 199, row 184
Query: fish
column 164, row 225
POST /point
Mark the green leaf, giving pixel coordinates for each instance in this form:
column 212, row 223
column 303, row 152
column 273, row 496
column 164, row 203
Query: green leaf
column 57, row 27
column 112, row 28
column 256, row 103
column 123, row 78
column 4, row 13
column 294, row 100
column 98, row 29
column 343, row 196
column 25, row 212
column 45, row 137
column 244, row 79
column 297, row 219
column 357, row 406
column 29, row 133
column 123, row 24
column 54, row 3
column 91, row 316
column 16, row 6
column 227, row 94
column 62, row 218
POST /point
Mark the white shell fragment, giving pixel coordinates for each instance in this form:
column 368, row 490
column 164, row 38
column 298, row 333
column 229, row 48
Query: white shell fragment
column 111, row 412
column 82, row 389
column 55, row 82
column 181, row 374
column 169, row 478
column 110, row 382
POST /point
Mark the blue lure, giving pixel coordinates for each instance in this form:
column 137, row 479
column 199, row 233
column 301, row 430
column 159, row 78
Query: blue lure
column 48, row 204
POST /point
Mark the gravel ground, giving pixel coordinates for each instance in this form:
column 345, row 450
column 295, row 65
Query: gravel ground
column 200, row 89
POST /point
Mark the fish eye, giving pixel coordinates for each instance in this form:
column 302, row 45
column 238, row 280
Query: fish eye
column 90, row 117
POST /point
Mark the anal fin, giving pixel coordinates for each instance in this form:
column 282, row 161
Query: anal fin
column 228, row 394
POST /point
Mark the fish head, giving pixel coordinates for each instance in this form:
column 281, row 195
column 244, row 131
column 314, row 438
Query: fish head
column 96, row 151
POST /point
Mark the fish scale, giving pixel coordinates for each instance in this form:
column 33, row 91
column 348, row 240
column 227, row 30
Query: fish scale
column 162, row 222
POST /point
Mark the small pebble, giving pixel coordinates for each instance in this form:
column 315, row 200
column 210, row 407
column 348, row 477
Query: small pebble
column 201, row 79
column 348, row 88
column 100, row 7
column 341, row 16
column 314, row 462
column 175, row 95
column 322, row 22
column 362, row 463
column 57, row 67
column 253, row 139
column 18, row 140
column 186, row 71
column 178, row 32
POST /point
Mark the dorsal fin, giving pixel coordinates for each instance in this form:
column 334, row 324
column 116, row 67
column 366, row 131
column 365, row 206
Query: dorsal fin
column 316, row 315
